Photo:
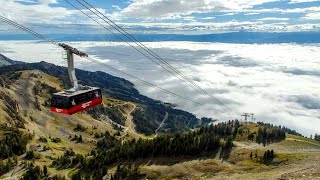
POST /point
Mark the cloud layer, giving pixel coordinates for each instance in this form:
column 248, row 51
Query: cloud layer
column 164, row 16
column 165, row 8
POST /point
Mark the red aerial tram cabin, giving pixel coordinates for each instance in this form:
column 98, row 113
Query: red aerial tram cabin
column 78, row 98
column 72, row 102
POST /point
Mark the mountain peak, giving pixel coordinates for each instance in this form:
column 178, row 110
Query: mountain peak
column 5, row 61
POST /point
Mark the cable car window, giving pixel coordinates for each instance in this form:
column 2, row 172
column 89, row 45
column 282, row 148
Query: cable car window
column 91, row 95
column 60, row 102
column 53, row 102
column 81, row 98
column 98, row 93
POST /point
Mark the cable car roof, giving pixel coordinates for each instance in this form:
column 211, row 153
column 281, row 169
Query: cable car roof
column 68, row 93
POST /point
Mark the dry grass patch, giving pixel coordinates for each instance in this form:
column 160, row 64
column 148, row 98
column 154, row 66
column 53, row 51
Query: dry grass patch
column 188, row 169
column 302, row 138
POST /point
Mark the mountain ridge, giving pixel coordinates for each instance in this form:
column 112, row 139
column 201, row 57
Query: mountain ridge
column 147, row 117
column 5, row 61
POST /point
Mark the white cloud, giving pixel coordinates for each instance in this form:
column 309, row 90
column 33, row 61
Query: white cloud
column 312, row 16
column 273, row 19
column 50, row 19
column 33, row 13
column 39, row 15
column 208, row 18
column 189, row 18
column 210, row 27
column 158, row 9
column 116, row 7
column 282, row 23
column 284, row 11
column 229, row 14
column 301, row 1
column 164, row 8
column 248, row 14
column 47, row 2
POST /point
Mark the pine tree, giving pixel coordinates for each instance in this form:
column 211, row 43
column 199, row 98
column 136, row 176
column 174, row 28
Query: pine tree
column 45, row 171
column 265, row 158
column 80, row 139
column 272, row 154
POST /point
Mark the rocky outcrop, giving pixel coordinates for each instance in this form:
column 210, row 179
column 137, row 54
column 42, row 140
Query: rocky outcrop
column 12, row 109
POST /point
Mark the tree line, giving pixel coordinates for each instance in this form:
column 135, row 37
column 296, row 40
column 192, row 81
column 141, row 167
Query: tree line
column 36, row 173
column 268, row 133
column 8, row 164
column 126, row 172
column 317, row 137
column 13, row 143
column 267, row 157
column 207, row 141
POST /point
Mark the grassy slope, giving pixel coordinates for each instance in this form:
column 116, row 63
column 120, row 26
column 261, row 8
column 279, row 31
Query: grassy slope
column 47, row 124
column 119, row 88
column 297, row 157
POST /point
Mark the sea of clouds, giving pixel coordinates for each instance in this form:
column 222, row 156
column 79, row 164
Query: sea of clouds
column 279, row 83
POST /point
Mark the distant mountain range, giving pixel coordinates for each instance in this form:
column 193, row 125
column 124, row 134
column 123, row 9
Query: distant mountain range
column 232, row 37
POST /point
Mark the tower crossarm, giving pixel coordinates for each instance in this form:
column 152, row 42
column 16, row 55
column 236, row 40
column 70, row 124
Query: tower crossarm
column 73, row 50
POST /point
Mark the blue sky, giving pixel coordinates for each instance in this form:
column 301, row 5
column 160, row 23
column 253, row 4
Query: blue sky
column 167, row 16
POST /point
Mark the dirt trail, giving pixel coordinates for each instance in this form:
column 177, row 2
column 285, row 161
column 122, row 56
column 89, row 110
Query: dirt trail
column 289, row 145
column 292, row 139
column 160, row 126
column 246, row 145
column 129, row 118
column 129, row 126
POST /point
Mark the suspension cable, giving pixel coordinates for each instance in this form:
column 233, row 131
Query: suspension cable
column 132, row 39
column 25, row 29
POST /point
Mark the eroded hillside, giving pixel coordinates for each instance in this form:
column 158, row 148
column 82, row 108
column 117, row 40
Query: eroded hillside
column 24, row 105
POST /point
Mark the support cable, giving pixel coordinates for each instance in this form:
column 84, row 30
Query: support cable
column 18, row 26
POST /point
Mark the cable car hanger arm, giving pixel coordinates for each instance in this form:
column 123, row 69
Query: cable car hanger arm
column 71, row 70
